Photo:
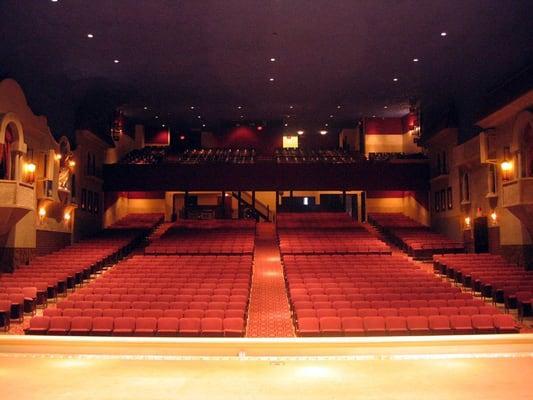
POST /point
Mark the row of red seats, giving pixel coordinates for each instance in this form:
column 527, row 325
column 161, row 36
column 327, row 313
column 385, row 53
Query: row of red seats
column 411, row 325
column 314, row 220
column 414, row 303
column 162, row 305
column 130, row 326
column 205, row 295
column 393, row 312
column 145, row 221
column 152, row 312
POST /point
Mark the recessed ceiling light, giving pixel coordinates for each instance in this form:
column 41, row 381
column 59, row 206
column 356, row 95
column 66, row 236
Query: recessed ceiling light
column 90, row 35
column 323, row 132
column 271, row 79
column 239, row 107
column 273, row 59
column 163, row 125
column 373, row 116
column 415, row 60
column 192, row 107
column 300, row 132
column 291, row 107
column 182, row 137
column 242, row 116
column 145, row 107
column 286, row 124
column 157, row 117
column 395, row 79
column 331, row 116
column 339, row 107
column 203, row 125
column 385, row 107
column 54, row 1
column 443, row 34
column 116, row 61
column 199, row 117
column 326, row 124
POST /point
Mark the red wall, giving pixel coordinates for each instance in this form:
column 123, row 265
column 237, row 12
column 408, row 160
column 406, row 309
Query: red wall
column 156, row 137
column 384, row 126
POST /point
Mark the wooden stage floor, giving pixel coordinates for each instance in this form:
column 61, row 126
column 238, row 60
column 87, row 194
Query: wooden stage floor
column 454, row 367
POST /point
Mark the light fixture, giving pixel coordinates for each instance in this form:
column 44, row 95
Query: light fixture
column 467, row 222
column 182, row 137
column 163, row 125
column 90, row 35
column 239, row 107
column 326, row 125
column 203, row 125
column 191, row 107
column 291, row 107
column 323, row 132
column 272, row 59
column 271, row 79
column 242, row 116
column 67, row 216
column 157, row 117
column 493, row 217
column 331, row 115
column 116, row 61
column 506, row 165
column 29, row 171
column 338, row 107
column 395, row 79
column 286, row 124
column 415, row 60
column 199, row 117
column 72, row 163
column 58, row 157
column 259, row 127
column 42, row 213
column 443, row 34
column 145, row 107
column 385, row 107
column 373, row 116
column 300, row 132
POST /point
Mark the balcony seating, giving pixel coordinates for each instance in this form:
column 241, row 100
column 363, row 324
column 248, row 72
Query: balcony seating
column 146, row 155
column 226, row 156
column 304, row 156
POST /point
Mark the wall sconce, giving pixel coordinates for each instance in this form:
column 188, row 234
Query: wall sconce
column 66, row 217
column 72, row 163
column 29, row 172
column 467, row 222
column 494, row 217
column 58, row 157
column 42, row 214
column 506, row 165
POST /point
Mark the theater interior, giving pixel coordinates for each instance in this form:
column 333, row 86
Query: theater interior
column 266, row 199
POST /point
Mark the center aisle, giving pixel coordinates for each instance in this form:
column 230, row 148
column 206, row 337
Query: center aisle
column 269, row 314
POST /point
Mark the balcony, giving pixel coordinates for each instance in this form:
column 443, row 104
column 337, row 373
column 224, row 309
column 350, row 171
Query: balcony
column 518, row 193
column 16, row 200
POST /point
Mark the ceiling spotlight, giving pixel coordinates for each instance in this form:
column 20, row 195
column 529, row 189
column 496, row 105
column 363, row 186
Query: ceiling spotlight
column 116, row 61
column 90, row 35
column 415, row 60
column 203, row 125
column 373, row 116
column 385, row 107
column 191, row 107
column 157, row 117
column 145, row 107
column 286, row 124
column 239, row 107
column 272, row 59
column 163, row 125
column 54, row 1
column 242, row 116
column 331, row 115
column 271, row 79
column 259, row 127
column 323, row 132
column 199, row 117
column 291, row 107
column 326, row 125
column 182, row 137
column 300, row 132
column 395, row 79
column 443, row 34
column 338, row 107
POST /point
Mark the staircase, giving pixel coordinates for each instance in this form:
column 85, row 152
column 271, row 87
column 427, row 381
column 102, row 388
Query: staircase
column 258, row 209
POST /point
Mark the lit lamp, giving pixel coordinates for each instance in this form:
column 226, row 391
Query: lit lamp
column 42, row 213
column 72, row 163
column 66, row 217
column 494, row 217
column 467, row 222
column 29, row 172
column 506, row 165
column 58, row 157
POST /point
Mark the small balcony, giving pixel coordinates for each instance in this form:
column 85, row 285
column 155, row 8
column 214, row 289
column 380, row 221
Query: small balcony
column 16, row 200
column 518, row 192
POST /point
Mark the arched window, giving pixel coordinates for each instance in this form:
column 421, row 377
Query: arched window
column 526, row 151
column 6, row 167
column 465, row 187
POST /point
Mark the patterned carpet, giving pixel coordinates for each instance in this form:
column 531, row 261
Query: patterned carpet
column 269, row 314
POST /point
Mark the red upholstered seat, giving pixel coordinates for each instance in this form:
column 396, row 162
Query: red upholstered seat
column 102, row 326
column 123, row 326
column 59, row 326
column 233, row 327
column 308, row 327
column 330, row 326
column 483, row 323
column 396, row 325
column 439, row 325
column 352, row 326
column 461, row 324
column 145, row 326
column 374, row 326
column 38, row 326
column 418, row 325
column 81, row 325
column 189, row 326
column 212, row 326
column 505, row 323
column 167, row 326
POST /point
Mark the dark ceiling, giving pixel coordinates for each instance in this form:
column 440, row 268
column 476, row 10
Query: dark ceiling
column 214, row 55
